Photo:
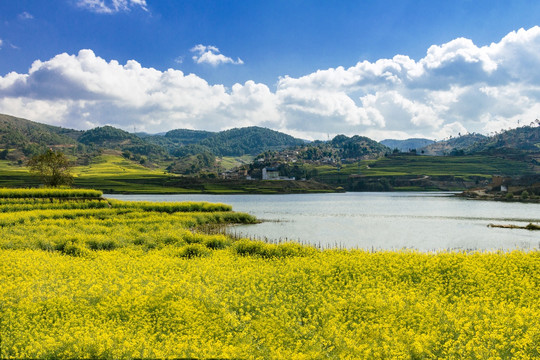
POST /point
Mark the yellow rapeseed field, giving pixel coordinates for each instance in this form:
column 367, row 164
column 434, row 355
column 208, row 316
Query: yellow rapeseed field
column 124, row 281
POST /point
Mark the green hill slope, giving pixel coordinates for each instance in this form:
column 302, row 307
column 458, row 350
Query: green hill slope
column 452, row 146
column 249, row 140
column 21, row 138
column 407, row 145
column 526, row 138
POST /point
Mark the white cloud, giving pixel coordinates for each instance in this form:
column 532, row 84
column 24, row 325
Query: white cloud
column 25, row 16
column 85, row 89
column 456, row 87
column 1, row 43
column 111, row 6
column 211, row 55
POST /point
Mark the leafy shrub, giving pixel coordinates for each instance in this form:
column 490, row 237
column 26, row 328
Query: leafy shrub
column 247, row 247
column 194, row 238
column 532, row 226
column 101, row 244
column 50, row 193
column 524, row 194
column 193, row 250
column 75, row 249
column 216, row 242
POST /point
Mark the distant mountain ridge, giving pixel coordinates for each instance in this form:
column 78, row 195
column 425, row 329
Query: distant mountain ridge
column 24, row 138
column 525, row 139
column 452, row 146
column 408, row 144
column 249, row 140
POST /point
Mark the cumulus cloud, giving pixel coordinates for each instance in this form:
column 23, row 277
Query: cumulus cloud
column 85, row 90
column 1, row 43
column 25, row 16
column 211, row 55
column 111, row 6
column 457, row 87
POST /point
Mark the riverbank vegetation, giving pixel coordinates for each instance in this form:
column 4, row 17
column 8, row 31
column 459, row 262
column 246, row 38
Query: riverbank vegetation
column 87, row 277
column 114, row 174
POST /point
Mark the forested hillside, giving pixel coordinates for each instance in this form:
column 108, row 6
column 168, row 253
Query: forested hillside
column 249, row 140
column 453, row 146
column 407, row 145
column 215, row 154
column 182, row 150
column 526, row 138
column 21, row 138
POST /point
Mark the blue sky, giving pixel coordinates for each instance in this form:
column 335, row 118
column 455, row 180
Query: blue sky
column 385, row 69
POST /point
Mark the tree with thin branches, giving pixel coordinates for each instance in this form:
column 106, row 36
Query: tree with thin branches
column 54, row 168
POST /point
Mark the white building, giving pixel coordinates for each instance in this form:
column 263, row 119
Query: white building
column 270, row 173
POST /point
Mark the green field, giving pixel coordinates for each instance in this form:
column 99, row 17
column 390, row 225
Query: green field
column 460, row 166
column 229, row 162
column 456, row 169
column 114, row 174
column 86, row 277
column 406, row 165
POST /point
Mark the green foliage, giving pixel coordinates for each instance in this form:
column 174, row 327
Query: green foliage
column 524, row 194
column 49, row 194
column 472, row 165
column 33, row 137
column 112, row 138
column 52, row 167
column 523, row 138
column 249, row 140
column 171, row 207
column 247, row 247
column 406, row 145
column 186, row 136
column 340, row 148
column 193, row 250
column 194, row 164
column 107, row 135
column 459, row 144
column 74, row 225
column 357, row 146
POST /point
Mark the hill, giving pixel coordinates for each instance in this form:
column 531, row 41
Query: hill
column 301, row 161
column 175, row 139
column 453, row 146
column 21, row 138
column 108, row 137
column 526, row 138
column 235, row 142
column 407, row 145
column 179, row 149
column 251, row 140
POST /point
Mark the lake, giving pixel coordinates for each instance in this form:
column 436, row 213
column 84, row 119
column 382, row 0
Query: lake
column 413, row 220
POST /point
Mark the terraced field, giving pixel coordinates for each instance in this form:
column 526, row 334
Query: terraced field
column 87, row 277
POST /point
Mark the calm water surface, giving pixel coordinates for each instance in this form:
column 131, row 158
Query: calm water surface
column 423, row 221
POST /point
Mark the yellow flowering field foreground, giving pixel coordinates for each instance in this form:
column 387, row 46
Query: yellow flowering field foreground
column 133, row 303
column 138, row 281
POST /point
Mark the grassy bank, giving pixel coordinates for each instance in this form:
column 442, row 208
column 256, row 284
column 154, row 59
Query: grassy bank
column 407, row 172
column 94, row 278
column 114, row 174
